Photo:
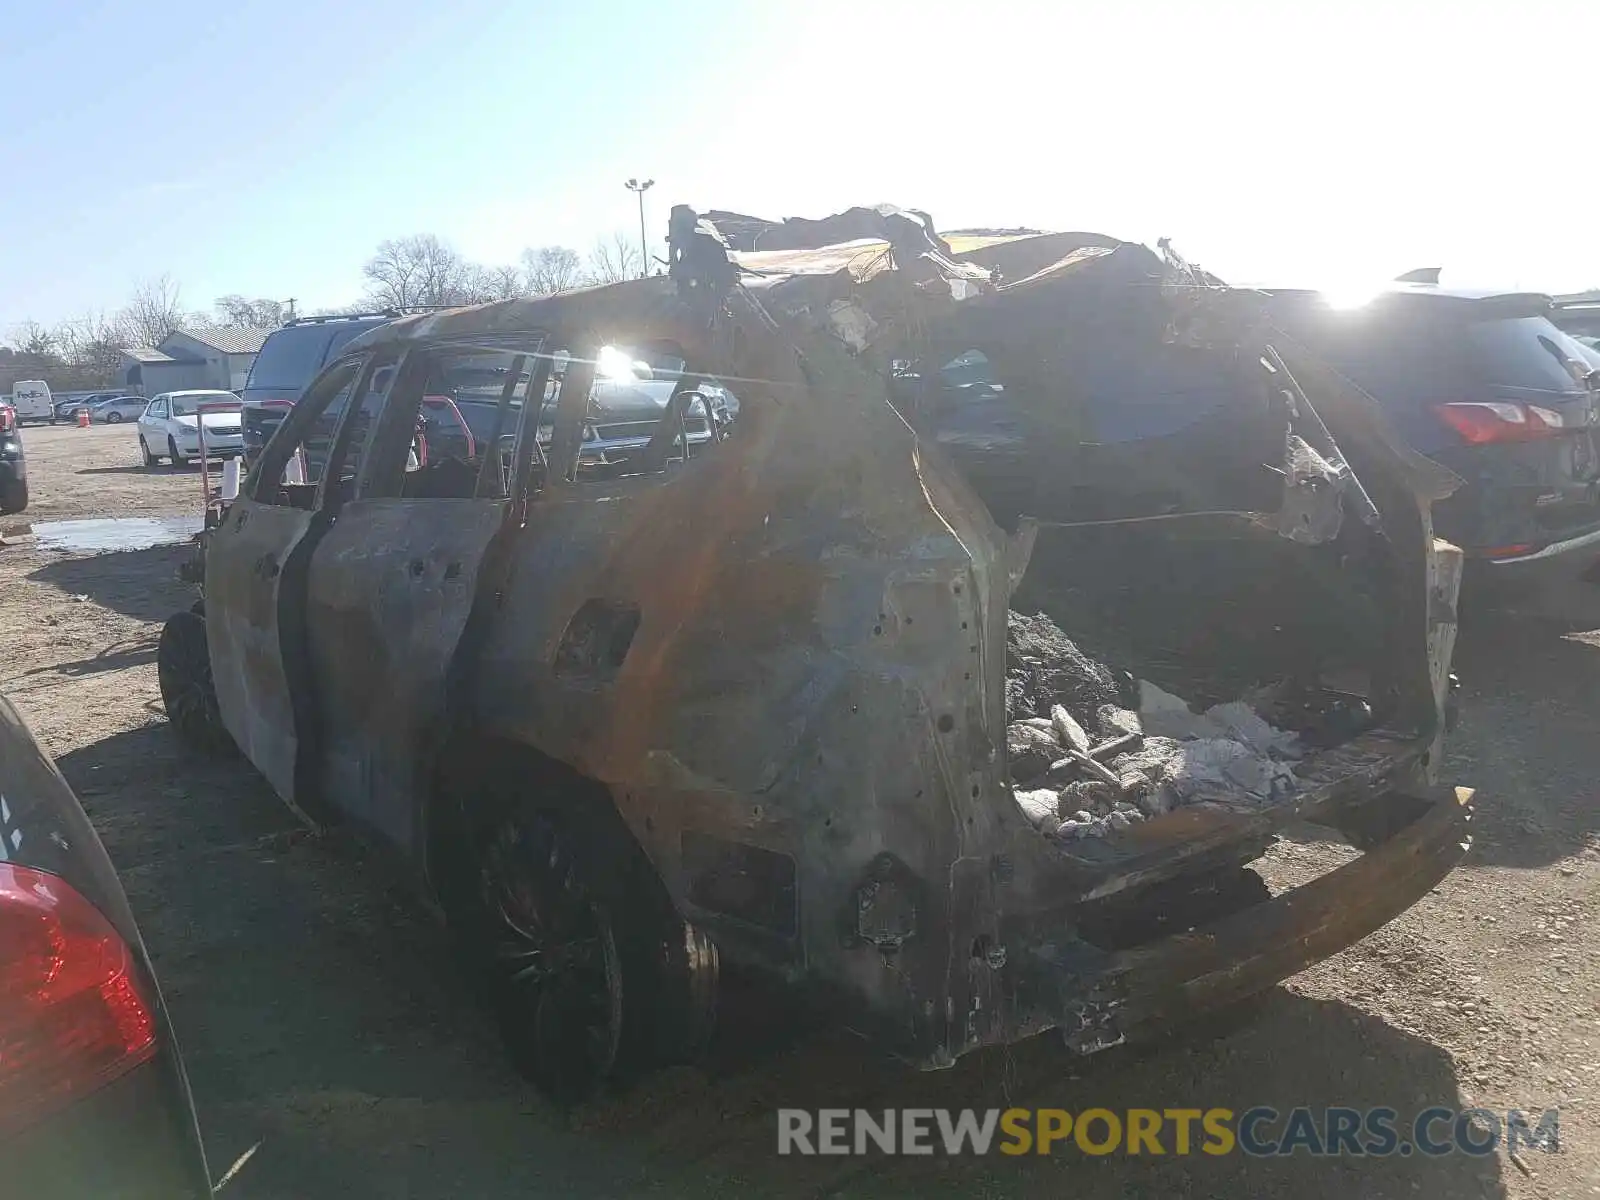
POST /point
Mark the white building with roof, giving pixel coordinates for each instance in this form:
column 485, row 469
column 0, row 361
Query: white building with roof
column 214, row 357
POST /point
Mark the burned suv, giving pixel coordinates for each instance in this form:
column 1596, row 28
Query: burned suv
column 976, row 736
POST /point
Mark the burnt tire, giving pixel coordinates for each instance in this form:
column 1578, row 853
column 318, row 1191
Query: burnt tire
column 593, row 977
column 14, row 496
column 183, row 667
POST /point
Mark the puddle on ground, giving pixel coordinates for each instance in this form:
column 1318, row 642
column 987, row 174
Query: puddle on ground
column 111, row 533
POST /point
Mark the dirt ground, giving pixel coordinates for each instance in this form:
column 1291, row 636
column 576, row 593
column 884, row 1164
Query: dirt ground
column 322, row 1020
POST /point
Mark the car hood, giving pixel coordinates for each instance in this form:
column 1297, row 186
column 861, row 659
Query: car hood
column 644, row 399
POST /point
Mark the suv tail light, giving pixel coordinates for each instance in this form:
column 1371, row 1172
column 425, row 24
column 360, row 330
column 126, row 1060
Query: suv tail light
column 73, row 1016
column 8, row 418
column 1481, row 422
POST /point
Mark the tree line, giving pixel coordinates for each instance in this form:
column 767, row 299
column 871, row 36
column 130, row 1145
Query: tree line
column 422, row 269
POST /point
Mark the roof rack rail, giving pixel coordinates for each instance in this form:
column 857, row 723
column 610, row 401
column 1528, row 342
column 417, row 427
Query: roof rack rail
column 390, row 313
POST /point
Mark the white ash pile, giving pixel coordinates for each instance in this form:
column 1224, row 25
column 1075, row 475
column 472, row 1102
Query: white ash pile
column 1090, row 754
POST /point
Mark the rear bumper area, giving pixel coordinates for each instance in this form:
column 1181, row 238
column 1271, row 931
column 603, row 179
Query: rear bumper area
column 1570, row 556
column 1098, row 999
column 1557, row 581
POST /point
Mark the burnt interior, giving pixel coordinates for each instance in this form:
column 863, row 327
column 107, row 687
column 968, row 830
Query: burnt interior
column 1209, row 612
column 1148, row 555
column 1153, row 458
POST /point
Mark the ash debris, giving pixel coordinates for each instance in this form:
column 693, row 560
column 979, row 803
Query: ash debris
column 1044, row 667
column 1092, row 752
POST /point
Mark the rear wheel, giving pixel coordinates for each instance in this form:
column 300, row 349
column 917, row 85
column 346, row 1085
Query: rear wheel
column 113, row 418
column 593, row 975
column 557, row 970
column 183, row 667
column 150, row 460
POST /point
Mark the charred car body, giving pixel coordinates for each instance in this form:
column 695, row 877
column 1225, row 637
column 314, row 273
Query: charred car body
column 749, row 697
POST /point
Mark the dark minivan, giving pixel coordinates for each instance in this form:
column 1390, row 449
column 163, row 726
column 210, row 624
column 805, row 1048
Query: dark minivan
column 290, row 358
column 1487, row 385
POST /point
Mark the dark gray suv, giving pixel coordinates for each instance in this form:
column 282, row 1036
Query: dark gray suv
column 289, row 359
column 1487, row 385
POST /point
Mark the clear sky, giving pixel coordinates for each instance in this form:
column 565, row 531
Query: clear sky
column 266, row 147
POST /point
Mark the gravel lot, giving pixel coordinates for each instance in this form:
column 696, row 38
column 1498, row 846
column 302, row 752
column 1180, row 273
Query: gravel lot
column 321, row 1018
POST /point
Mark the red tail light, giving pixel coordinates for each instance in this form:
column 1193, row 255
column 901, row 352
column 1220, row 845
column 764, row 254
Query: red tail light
column 72, row 1013
column 1480, row 422
column 8, row 419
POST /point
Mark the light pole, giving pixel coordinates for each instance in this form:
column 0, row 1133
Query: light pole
column 639, row 188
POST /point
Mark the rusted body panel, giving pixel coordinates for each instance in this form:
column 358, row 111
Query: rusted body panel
column 784, row 658
column 815, row 671
column 1099, row 1000
column 390, row 589
column 244, row 627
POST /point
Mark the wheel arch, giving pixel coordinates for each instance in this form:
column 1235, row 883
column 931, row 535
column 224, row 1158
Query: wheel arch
column 478, row 780
column 672, row 967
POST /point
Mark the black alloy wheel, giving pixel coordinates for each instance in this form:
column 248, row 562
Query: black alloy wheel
column 183, row 668
column 558, row 973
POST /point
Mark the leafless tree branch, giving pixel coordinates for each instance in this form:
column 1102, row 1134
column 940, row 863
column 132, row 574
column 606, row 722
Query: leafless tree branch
column 155, row 311
column 613, row 259
column 234, row 309
column 551, row 269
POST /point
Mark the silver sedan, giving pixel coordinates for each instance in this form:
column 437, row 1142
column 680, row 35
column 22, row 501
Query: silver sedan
column 118, row 409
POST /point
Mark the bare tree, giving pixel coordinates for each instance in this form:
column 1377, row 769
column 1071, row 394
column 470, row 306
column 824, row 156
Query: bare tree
column 613, row 260
column 392, row 273
column 396, row 270
column 33, row 340
column 235, row 309
column 505, row 283
column 477, row 284
column 420, row 269
column 95, row 342
column 154, row 311
column 550, row 269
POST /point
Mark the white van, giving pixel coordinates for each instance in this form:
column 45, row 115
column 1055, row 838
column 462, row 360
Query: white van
column 31, row 399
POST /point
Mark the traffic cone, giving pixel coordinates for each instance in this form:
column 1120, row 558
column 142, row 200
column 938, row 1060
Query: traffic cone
column 83, row 418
